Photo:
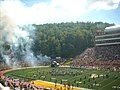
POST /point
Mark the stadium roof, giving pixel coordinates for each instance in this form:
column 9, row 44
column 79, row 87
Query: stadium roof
column 112, row 28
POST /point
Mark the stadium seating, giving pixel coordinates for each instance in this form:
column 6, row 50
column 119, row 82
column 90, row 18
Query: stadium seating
column 88, row 59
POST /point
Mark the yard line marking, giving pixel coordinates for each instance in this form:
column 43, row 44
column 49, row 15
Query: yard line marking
column 107, row 84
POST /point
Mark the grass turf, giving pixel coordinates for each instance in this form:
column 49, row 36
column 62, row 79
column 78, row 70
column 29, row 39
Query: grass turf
column 106, row 80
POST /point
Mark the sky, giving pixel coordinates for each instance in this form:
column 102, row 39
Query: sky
column 57, row 11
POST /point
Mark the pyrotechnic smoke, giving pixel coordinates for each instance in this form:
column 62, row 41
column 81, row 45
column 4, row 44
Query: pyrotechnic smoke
column 6, row 26
column 16, row 41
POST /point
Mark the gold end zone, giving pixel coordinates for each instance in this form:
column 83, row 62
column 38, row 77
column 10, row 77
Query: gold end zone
column 53, row 86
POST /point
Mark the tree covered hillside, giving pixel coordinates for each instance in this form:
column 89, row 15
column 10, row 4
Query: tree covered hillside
column 65, row 40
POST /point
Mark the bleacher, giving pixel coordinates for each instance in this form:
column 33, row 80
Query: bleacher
column 105, row 54
column 107, row 45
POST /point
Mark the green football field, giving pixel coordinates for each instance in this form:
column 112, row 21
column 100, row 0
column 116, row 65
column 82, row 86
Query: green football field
column 84, row 78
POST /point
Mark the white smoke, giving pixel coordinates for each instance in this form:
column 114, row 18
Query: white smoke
column 19, row 38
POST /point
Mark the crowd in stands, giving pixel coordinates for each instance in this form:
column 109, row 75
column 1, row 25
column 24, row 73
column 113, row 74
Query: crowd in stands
column 16, row 84
column 111, row 52
column 85, row 58
column 110, row 64
column 110, row 59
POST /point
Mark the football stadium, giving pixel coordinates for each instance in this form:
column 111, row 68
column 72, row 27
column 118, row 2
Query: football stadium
column 96, row 68
column 59, row 44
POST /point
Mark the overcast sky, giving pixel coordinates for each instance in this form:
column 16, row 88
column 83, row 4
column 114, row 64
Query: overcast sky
column 57, row 11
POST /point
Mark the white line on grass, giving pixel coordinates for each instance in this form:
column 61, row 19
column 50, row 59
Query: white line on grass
column 107, row 84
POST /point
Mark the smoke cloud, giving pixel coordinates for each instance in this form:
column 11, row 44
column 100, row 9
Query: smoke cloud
column 15, row 42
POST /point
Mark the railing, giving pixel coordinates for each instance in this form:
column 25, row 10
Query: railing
column 108, row 39
column 108, row 44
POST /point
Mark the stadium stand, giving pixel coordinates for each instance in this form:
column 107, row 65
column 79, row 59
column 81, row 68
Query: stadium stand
column 16, row 84
column 105, row 54
column 107, row 45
